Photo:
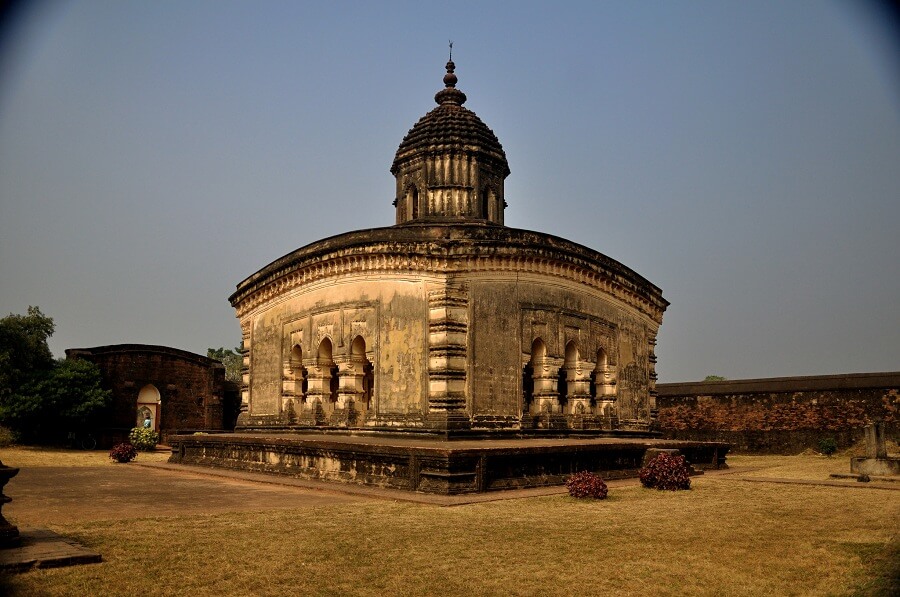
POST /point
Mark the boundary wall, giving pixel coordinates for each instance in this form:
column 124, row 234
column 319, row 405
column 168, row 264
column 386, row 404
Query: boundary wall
column 780, row 415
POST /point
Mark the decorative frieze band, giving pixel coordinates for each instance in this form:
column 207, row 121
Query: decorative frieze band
column 374, row 263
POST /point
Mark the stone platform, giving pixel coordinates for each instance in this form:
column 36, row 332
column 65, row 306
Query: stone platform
column 41, row 548
column 434, row 465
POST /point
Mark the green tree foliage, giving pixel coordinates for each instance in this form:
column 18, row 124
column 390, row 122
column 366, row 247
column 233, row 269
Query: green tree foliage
column 714, row 378
column 64, row 399
column 24, row 352
column 42, row 399
column 231, row 358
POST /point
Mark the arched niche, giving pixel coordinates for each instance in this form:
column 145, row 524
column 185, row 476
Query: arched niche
column 149, row 403
column 366, row 371
column 566, row 376
column 299, row 375
column 414, row 202
column 604, row 380
column 328, row 368
column 572, row 355
column 531, row 371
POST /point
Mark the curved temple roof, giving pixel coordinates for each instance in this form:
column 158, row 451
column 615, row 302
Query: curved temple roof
column 450, row 126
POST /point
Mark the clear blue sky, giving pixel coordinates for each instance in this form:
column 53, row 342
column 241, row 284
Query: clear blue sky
column 743, row 156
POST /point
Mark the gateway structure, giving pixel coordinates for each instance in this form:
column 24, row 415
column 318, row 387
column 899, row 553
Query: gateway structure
column 449, row 320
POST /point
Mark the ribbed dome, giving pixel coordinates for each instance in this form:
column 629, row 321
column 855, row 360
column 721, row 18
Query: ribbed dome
column 450, row 126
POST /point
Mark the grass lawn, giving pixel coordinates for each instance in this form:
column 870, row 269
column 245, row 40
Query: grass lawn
column 27, row 456
column 726, row 536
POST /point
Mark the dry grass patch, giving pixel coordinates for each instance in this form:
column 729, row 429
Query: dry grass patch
column 26, row 456
column 724, row 537
column 810, row 467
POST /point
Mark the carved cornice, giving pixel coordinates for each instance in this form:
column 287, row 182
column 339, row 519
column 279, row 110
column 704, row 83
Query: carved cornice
column 430, row 253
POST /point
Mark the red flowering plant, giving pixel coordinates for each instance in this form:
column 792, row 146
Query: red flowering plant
column 666, row 471
column 587, row 485
column 124, row 452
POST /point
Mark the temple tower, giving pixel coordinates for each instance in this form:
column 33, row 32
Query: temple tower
column 450, row 165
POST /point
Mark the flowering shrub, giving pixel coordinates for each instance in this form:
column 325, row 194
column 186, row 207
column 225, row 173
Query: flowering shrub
column 143, row 439
column 123, row 452
column 587, row 485
column 666, row 471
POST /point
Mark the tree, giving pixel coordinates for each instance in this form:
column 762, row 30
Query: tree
column 67, row 398
column 714, row 378
column 41, row 399
column 232, row 359
column 24, row 352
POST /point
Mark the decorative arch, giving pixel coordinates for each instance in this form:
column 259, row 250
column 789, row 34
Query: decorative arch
column 358, row 347
column 299, row 374
column 572, row 354
column 603, row 378
column 538, row 354
column 149, row 402
column 325, row 362
column 367, row 370
column 566, row 373
column 413, row 194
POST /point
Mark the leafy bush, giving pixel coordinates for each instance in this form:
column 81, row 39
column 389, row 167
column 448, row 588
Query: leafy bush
column 123, row 452
column 666, row 471
column 143, row 439
column 827, row 446
column 587, row 485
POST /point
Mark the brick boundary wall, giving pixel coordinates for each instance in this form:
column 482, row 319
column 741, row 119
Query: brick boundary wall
column 780, row 415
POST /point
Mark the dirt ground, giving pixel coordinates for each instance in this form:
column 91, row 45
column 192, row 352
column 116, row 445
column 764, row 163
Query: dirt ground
column 48, row 495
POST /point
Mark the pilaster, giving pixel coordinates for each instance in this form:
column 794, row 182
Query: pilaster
column 448, row 324
column 244, row 410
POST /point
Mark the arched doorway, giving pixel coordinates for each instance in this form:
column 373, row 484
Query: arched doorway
column 148, row 405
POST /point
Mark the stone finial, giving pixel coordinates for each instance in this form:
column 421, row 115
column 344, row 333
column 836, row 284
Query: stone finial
column 450, row 94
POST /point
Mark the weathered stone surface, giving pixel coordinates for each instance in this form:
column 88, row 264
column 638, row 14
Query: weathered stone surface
column 433, row 465
column 448, row 353
column 448, row 320
column 875, row 466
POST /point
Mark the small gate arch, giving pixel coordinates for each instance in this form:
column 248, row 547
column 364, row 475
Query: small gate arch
column 149, row 403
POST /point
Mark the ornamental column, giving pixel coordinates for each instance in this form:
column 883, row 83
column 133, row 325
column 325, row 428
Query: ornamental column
column 546, row 410
column 605, row 382
column 651, row 358
column 244, row 410
column 318, row 394
column 578, row 399
column 448, row 324
column 347, row 409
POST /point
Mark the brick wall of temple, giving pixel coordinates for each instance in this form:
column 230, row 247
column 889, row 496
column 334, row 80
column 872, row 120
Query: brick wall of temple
column 191, row 387
column 780, row 415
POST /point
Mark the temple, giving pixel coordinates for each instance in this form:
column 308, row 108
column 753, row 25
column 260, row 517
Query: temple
column 448, row 320
column 447, row 353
